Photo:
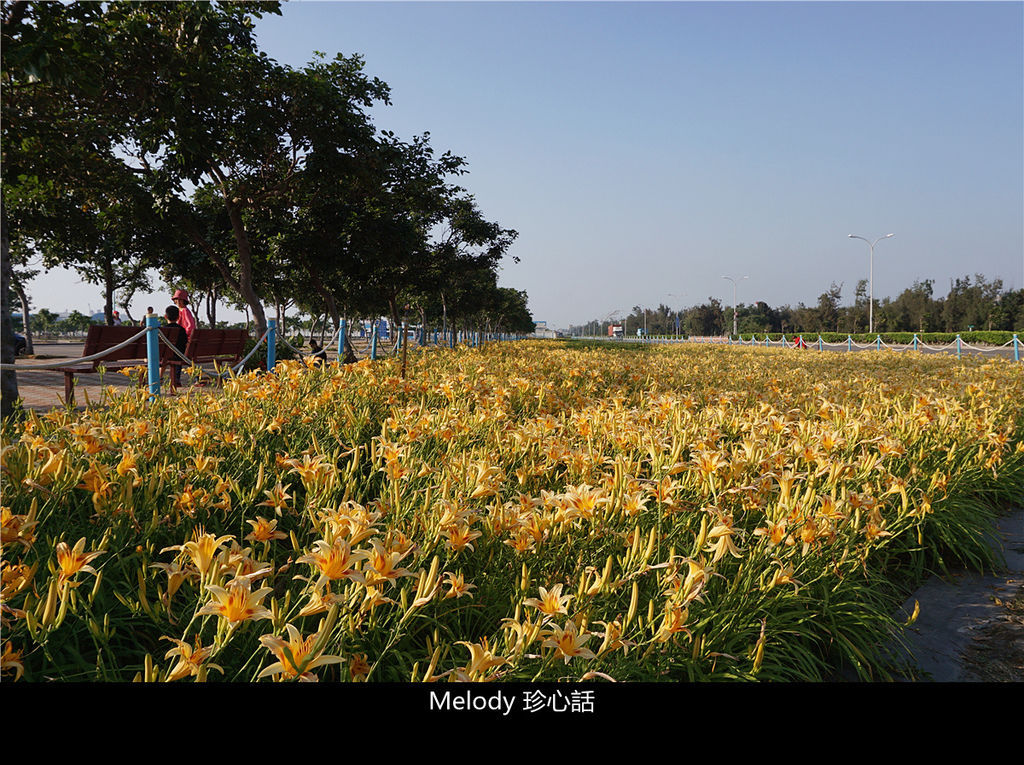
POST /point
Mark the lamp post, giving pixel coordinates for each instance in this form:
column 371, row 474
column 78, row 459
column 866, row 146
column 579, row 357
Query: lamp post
column 735, row 331
column 871, row 277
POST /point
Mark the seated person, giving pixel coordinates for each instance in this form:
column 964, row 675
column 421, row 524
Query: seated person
column 319, row 354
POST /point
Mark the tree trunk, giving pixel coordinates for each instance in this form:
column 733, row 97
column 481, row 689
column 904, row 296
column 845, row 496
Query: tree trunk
column 211, row 307
column 108, row 292
column 396, row 326
column 245, row 270
column 8, row 378
column 444, row 317
column 126, row 298
column 25, row 323
column 329, row 301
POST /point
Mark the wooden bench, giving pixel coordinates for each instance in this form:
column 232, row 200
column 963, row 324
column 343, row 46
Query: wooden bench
column 222, row 347
column 102, row 338
column 217, row 346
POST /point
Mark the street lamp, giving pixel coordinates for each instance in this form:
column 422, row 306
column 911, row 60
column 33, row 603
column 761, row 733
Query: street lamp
column 871, row 278
column 734, row 323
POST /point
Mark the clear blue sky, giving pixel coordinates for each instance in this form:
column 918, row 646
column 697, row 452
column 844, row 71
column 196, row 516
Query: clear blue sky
column 643, row 150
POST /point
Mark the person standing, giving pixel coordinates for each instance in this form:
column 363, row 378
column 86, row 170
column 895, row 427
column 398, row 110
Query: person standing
column 173, row 323
column 185, row 317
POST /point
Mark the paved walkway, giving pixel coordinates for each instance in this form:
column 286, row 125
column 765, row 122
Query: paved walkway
column 958, row 615
column 43, row 389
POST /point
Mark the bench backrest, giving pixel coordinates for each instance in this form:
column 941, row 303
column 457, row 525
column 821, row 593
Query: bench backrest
column 216, row 345
column 102, row 338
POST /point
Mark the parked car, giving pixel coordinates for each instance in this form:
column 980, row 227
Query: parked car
column 20, row 344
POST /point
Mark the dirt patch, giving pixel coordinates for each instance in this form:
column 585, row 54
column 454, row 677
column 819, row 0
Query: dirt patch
column 996, row 652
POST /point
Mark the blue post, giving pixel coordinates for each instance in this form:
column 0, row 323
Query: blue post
column 958, row 346
column 915, row 341
column 878, row 342
column 435, row 337
column 153, row 355
column 849, row 343
column 783, row 341
column 373, row 343
column 271, row 344
column 1016, row 348
column 819, row 343
column 341, row 341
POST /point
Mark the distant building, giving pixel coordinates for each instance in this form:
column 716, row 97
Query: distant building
column 540, row 330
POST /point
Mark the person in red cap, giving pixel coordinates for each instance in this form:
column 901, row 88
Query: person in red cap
column 185, row 317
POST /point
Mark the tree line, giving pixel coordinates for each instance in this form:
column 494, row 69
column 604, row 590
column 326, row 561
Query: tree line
column 972, row 303
column 142, row 136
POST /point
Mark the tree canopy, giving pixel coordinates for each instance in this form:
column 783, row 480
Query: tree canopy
column 142, row 136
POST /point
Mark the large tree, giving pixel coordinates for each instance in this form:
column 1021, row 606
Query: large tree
column 52, row 56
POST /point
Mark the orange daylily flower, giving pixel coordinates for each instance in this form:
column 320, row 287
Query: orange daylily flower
column 298, row 661
column 191, row 659
column 71, row 561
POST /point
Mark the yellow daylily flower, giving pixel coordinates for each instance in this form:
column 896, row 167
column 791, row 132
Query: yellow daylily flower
column 202, row 549
column 568, row 643
column 334, row 561
column 264, row 531
column 237, row 603
column 551, row 601
column 302, row 659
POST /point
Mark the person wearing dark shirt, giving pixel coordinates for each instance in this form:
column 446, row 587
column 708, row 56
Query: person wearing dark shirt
column 180, row 342
column 319, row 354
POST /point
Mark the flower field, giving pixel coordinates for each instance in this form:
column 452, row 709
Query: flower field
column 528, row 511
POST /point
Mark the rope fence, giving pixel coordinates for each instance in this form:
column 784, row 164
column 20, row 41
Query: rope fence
column 799, row 341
